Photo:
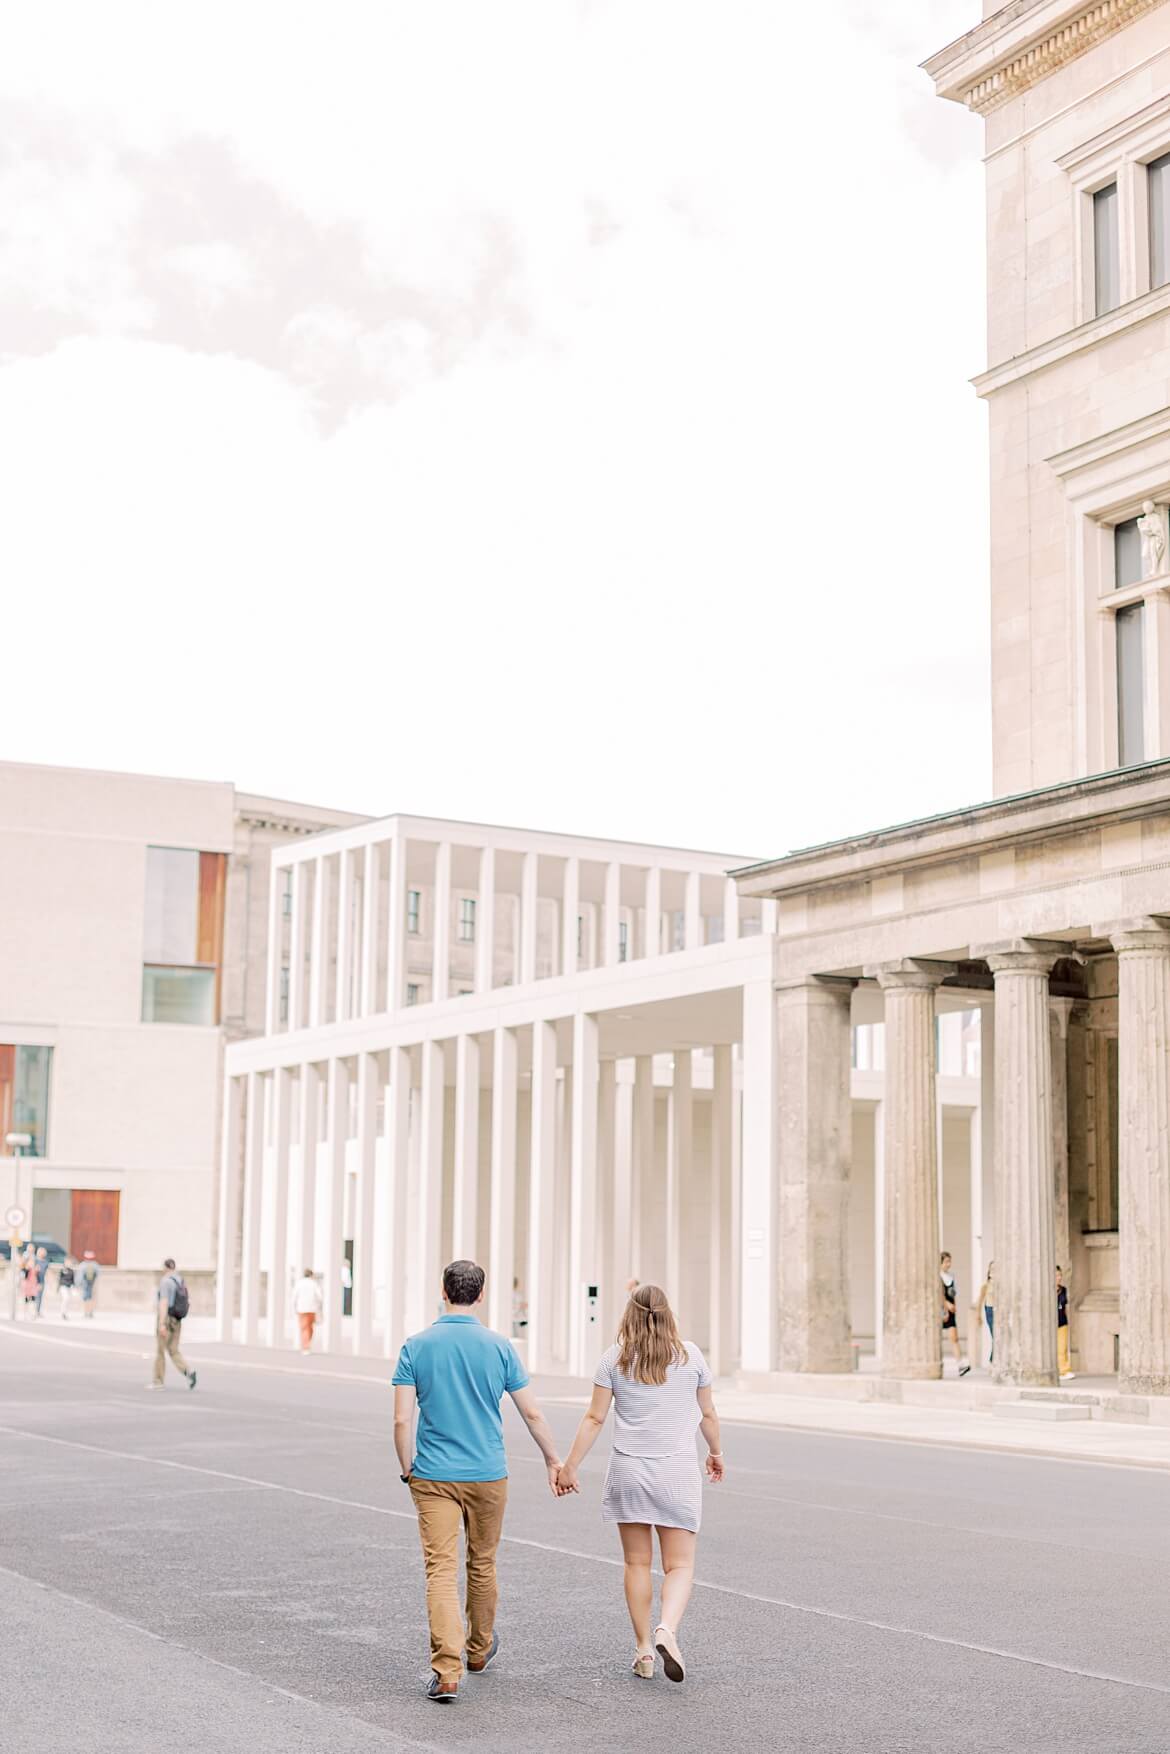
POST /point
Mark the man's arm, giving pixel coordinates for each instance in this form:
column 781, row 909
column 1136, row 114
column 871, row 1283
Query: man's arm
column 404, row 1401
column 539, row 1430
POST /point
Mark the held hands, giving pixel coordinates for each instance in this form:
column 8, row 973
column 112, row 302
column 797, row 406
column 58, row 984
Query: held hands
column 564, row 1481
column 714, row 1466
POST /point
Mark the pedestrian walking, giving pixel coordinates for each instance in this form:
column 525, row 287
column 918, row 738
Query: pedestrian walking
column 987, row 1305
column 308, row 1304
column 455, row 1374
column 42, row 1277
column 660, row 1388
column 88, row 1278
column 66, row 1277
column 950, row 1309
column 30, row 1282
column 1063, row 1352
column 173, row 1305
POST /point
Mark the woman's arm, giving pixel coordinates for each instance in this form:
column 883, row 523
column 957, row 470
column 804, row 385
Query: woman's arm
column 588, row 1432
column 709, row 1426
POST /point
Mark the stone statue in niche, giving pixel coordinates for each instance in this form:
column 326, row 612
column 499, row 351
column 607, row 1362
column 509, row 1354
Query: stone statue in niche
column 1152, row 530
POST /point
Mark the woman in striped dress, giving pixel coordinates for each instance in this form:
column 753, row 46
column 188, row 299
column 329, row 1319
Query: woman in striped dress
column 660, row 1389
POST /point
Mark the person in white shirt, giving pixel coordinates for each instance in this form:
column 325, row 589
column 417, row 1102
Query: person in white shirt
column 308, row 1303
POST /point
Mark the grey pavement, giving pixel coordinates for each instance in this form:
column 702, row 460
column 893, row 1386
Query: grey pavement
column 237, row 1569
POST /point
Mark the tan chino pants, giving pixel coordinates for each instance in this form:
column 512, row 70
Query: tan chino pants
column 443, row 1507
column 168, row 1347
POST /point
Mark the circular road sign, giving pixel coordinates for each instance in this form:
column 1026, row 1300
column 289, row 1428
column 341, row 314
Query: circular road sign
column 14, row 1217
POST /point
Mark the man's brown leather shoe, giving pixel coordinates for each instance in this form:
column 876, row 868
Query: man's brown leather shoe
column 444, row 1692
column 476, row 1665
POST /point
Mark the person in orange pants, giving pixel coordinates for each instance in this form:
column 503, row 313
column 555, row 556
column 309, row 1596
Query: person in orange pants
column 1063, row 1356
column 307, row 1302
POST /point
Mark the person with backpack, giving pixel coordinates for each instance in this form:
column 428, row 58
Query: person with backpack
column 88, row 1276
column 66, row 1278
column 173, row 1307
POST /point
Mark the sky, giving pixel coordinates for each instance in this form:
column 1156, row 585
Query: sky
column 545, row 412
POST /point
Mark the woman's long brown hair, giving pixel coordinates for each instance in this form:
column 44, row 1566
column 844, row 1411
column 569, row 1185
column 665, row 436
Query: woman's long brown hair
column 648, row 1337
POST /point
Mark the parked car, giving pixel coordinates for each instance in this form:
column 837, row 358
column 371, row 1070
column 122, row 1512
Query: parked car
column 54, row 1250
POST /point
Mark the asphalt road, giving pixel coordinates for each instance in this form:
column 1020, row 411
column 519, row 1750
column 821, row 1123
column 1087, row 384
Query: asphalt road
column 236, row 1571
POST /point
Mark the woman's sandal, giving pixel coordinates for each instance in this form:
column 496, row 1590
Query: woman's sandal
column 643, row 1666
column 666, row 1644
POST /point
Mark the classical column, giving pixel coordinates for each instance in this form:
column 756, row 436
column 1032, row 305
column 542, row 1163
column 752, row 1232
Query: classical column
column 813, row 1149
column 502, row 1215
column 395, row 1242
column 441, row 936
column 296, row 947
column 465, row 1183
column 541, row 1207
column 318, row 966
column 278, row 1260
column 333, row 1243
column 758, row 1301
column 1058, row 1015
column 622, row 1254
column 1143, row 1106
column 680, row 1159
column 692, row 911
column 309, row 1127
column 485, row 921
column 425, row 1244
column 529, row 915
column 1025, row 1257
column 343, row 1007
column 606, row 1217
column 369, row 994
column 730, row 910
column 912, row 1301
column 253, row 1207
column 363, row 1215
column 652, row 924
column 647, row 1252
column 229, row 1200
column 275, row 960
column 612, row 914
column 722, row 1240
column 583, row 1263
column 570, row 908
column 396, row 930
column 879, row 1227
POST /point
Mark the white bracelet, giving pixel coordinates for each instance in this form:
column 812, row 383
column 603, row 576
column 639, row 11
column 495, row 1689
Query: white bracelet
column 714, row 1455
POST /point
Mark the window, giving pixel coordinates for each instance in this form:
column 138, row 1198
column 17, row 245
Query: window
column 467, row 920
column 623, row 941
column 678, row 929
column 1127, row 554
column 183, row 935
column 411, row 993
column 580, row 934
column 284, row 994
column 1158, row 191
column 286, row 893
column 1131, row 742
column 24, row 1096
column 413, row 900
column 1106, row 252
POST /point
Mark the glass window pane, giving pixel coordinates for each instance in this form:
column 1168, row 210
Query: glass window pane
column 1106, row 257
column 178, row 995
column 1127, row 554
column 1131, row 745
column 24, row 1097
column 1159, row 196
column 172, row 904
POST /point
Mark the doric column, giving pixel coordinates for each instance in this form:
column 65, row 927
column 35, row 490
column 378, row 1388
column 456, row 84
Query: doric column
column 253, row 1207
column 229, row 1200
column 583, row 1193
column 396, row 930
column 611, row 914
column 502, row 1224
column 1058, row 1015
column 296, row 947
column 813, row 1147
column 465, row 1185
column 529, row 911
column 424, row 1246
column 333, row 1246
column 722, row 1240
column 272, row 1021
column 278, row 1260
column 370, row 885
column 1025, row 1177
column 541, row 1206
column 647, row 1255
column 621, row 1262
column 363, row 1213
column 309, row 1125
column 441, row 935
column 318, row 962
column 652, row 920
column 343, row 1007
column 911, row 1306
column 692, row 911
column 606, row 1160
column 485, row 921
column 1143, row 1106
column 570, row 907
column 680, row 1156
column 395, row 1242
column 758, row 1301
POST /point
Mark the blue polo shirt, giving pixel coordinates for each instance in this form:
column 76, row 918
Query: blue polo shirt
column 460, row 1371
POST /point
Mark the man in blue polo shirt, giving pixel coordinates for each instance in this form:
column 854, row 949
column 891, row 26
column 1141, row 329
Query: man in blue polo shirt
column 457, row 1371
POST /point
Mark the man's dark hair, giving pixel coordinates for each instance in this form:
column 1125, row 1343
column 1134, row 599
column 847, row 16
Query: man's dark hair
column 169, row 1265
column 462, row 1282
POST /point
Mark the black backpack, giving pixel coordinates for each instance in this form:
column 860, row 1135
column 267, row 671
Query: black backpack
column 181, row 1303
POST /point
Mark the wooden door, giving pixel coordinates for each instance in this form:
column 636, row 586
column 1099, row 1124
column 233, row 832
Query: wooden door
column 94, row 1224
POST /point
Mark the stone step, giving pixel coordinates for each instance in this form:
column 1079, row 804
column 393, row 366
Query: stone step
column 1050, row 1410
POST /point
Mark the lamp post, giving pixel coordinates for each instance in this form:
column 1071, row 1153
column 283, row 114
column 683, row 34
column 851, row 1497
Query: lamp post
column 18, row 1144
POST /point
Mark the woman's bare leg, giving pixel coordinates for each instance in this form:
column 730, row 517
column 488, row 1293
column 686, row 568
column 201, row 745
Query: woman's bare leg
column 638, row 1549
column 678, row 1563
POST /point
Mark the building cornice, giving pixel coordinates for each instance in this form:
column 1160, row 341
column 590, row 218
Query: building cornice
column 1073, row 341
column 1022, row 44
column 1135, row 435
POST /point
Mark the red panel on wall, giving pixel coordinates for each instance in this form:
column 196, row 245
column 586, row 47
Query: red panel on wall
column 94, row 1224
